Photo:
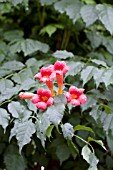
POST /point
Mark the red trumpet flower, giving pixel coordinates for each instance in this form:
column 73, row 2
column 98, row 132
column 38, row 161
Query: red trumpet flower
column 43, row 99
column 26, row 95
column 75, row 96
column 60, row 68
column 47, row 75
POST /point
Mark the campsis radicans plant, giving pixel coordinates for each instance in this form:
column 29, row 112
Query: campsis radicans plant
column 45, row 97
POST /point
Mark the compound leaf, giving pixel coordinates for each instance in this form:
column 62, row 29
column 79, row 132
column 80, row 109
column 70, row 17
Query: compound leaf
column 105, row 14
column 4, row 118
column 89, row 14
column 24, row 133
column 87, row 73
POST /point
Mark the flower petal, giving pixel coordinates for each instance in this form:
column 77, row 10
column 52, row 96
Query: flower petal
column 76, row 91
column 82, row 98
column 68, row 96
column 65, row 70
column 50, row 101
column 40, row 91
column 41, row 105
column 47, row 93
column 35, row 99
column 61, row 67
column 75, row 102
column 37, row 76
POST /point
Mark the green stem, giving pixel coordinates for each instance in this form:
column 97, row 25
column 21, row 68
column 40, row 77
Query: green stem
column 34, row 118
column 66, row 38
column 7, row 101
column 42, row 16
column 67, row 84
column 85, row 142
column 79, row 44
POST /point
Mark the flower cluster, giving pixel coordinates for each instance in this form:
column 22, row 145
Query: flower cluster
column 45, row 98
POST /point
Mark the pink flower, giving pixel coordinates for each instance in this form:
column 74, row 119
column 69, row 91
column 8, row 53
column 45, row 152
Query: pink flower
column 43, row 99
column 60, row 68
column 47, row 75
column 75, row 96
column 26, row 95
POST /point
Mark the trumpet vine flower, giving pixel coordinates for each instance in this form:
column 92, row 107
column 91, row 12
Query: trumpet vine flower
column 26, row 95
column 60, row 68
column 75, row 96
column 43, row 99
column 47, row 75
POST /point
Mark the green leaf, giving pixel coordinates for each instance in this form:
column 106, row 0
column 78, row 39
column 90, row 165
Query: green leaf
column 62, row 54
column 8, row 93
column 13, row 65
column 49, row 29
column 105, row 14
column 89, row 1
column 97, row 141
column 75, row 68
column 89, row 157
column 68, row 131
column 108, row 43
column 108, row 77
column 60, row 99
column 99, row 62
column 93, row 168
column 49, row 131
column 62, row 5
column 89, row 104
column 18, row 111
column 98, row 76
column 17, row 163
column 23, row 75
column 55, row 113
column 89, row 14
column 13, row 131
column 5, row 7
column 71, row 7
column 73, row 148
column 13, row 35
column 4, row 84
column 16, row 2
column 4, row 118
column 63, row 152
column 87, row 73
column 73, row 10
column 28, row 46
column 82, row 127
column 31, row 106
column 94, row 38
column 3, row 50
column 41, row 127
column 107, row 121
column 27, row 84
column 95, row 112
column 47, row 2
column 110, row 142
column 24, row 133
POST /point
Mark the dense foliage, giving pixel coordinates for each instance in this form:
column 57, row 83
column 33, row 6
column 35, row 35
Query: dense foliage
column 36, row 33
